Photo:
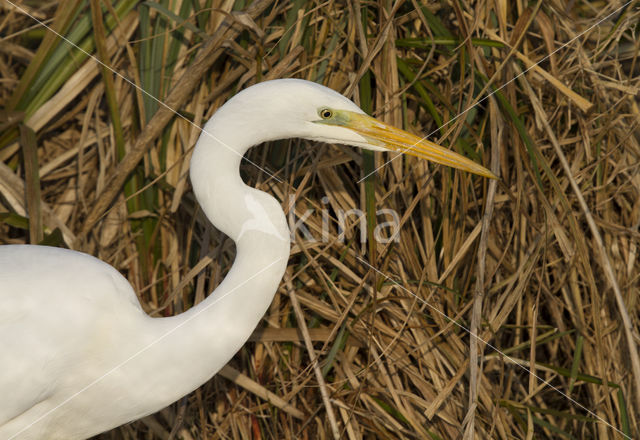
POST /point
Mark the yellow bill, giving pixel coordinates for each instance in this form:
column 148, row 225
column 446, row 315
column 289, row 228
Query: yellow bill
column 386, row 136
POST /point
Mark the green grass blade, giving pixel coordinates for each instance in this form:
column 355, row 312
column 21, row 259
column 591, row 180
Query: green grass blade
column 624, row 414
column 65, row 15
column 577, row 356
column 179, row 20
column 425, row 99
column 425, row 43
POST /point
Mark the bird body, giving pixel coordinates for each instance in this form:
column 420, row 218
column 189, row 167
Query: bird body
column 55, row 335
column 78, row 354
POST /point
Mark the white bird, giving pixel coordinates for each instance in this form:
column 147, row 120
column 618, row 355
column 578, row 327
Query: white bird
column 78, row 355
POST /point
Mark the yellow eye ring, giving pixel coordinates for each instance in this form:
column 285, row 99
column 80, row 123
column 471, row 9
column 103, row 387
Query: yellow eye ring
column 325, row 113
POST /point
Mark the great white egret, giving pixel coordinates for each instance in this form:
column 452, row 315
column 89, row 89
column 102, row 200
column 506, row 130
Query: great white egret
column 78, row 355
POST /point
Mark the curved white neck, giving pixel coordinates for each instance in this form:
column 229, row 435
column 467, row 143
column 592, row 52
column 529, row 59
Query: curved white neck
column 204, row 338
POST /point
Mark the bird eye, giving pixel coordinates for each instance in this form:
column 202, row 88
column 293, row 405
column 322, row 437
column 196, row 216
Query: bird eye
column 326, row 113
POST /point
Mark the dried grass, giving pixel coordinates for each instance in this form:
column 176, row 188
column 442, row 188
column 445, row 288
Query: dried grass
column 543, row 264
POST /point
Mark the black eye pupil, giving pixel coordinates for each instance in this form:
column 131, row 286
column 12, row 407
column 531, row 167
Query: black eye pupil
column 326, row 114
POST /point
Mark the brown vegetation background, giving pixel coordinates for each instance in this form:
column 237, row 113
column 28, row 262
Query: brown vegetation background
column 542, row 264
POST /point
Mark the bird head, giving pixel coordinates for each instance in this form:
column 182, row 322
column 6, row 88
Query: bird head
column 299, row 108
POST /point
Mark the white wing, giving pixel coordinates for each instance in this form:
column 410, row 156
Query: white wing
column 50, row 301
